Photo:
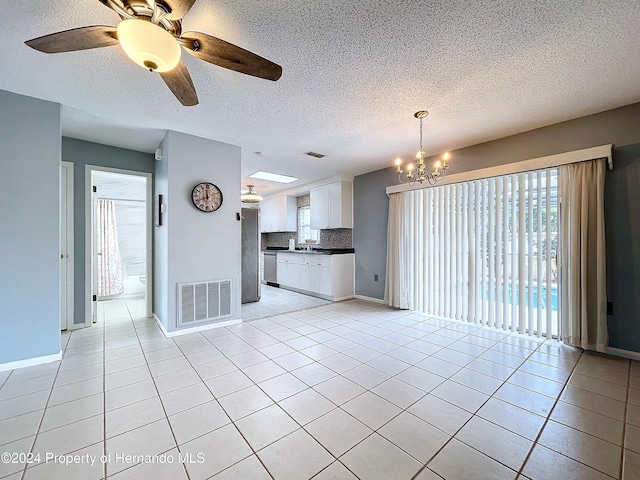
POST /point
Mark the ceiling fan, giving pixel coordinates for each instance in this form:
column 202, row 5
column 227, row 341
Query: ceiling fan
column 150, row 33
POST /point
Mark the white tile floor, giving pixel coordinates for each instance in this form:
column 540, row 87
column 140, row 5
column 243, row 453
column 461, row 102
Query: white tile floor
column 340, row 391
column 276, row 301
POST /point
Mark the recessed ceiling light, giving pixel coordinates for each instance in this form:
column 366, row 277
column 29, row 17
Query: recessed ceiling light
column 273, row 177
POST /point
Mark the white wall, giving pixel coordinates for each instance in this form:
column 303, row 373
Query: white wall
column 192, row 245
column 31, row 143
column 161, row 239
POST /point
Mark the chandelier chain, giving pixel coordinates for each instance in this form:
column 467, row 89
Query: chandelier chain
column 420, row 136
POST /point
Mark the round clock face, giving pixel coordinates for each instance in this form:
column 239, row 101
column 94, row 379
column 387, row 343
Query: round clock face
column 206, row 197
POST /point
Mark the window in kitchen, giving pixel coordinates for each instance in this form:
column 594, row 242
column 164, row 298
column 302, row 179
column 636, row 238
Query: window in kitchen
column 304, row 226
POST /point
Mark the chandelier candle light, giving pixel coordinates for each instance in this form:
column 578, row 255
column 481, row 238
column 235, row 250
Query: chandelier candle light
column 420, row 175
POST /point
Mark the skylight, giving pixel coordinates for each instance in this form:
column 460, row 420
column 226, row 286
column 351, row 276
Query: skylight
column 273, row 177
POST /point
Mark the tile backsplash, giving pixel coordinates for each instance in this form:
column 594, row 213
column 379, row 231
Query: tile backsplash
column 276, row 239
column 334, row 238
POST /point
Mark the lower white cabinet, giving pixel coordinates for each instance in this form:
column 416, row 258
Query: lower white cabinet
column 287, row 269
column 325, row 283
column 331, row 276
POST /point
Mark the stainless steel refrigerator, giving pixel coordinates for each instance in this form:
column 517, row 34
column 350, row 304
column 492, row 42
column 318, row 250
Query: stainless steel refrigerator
column 250, row 255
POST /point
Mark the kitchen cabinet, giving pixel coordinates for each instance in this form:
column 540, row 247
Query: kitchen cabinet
column 326, row 276
column 287, row 269
column 319, row 207
column 278, row 214
column 325, row 281
column 319, row 274
column 332, row 206
column 304, row 275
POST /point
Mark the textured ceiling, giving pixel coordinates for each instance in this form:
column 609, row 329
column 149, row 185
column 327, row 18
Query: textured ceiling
column 354, row 72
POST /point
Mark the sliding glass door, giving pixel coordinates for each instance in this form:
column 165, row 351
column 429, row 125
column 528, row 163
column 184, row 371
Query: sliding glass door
column 485, row 251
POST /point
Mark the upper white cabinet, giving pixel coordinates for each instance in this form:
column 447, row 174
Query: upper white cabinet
column 332, row 206
column 278, row 214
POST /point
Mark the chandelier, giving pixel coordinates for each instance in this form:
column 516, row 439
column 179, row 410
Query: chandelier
column 250, row 196
column 419, row 173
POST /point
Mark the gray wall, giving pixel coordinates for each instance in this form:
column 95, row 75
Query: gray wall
column 194, row 246
column 370, row 216
column 29, row 227
column 83, row 153
column 621, row 127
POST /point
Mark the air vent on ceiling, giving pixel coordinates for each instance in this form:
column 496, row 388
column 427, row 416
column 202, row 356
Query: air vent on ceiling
column 314, row 154
column 203, row 302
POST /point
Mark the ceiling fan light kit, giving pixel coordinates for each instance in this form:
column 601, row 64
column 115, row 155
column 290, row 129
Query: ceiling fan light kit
column 250, row 196
column 149, row 45
column 150, row 33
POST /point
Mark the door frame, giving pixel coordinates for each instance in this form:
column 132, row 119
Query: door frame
column 89, row 170
column 66, row 247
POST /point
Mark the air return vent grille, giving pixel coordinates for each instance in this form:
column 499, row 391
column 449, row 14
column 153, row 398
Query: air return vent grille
column 203, row 302
column 315, row 154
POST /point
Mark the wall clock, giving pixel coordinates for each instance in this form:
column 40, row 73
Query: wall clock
column 206, row 197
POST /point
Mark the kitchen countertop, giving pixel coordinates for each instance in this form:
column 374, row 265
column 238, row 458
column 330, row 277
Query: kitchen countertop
column 317, row 251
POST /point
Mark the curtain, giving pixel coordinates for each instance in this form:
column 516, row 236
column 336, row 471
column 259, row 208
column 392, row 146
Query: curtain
column 399, row 271
column 481, row 251
column 583, row 275
column 109, row 261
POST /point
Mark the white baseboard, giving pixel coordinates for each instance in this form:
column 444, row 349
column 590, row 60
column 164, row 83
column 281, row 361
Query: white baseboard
column 618, row 352
column 371, row 299
column 76, row 326
column 30, row 362
column 346, row 297
column 200, row 328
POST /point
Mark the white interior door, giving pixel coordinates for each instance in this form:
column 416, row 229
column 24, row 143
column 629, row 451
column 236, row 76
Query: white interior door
column 66, row 246
column 94, row 253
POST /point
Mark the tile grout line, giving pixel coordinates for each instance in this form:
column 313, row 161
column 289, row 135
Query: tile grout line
column 363, row 320
column 426, row 464
column 535, row 441
column 624, row 422
column 44, row 411
column 336, row 459
column 158, row 394
column 232, row 422
column 370, row 391
column 427, row 393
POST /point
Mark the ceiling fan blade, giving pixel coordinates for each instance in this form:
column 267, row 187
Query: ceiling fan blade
column 179, row 8
column 179, row 82
column 225, row 54
column 82, row 38
column 106, row 4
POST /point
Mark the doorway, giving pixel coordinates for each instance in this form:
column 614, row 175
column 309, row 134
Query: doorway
column 119, row 238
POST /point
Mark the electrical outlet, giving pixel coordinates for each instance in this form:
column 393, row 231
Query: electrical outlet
column 375, row 277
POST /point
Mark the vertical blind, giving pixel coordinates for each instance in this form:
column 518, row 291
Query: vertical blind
column 484, row 251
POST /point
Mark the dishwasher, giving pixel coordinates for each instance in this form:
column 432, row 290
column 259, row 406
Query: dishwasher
column 270, row 268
